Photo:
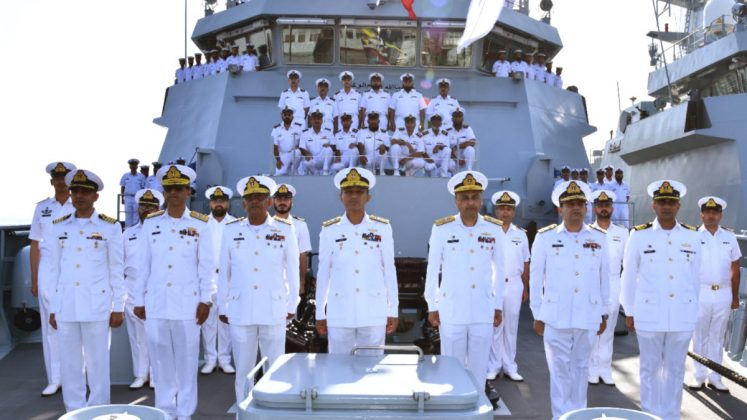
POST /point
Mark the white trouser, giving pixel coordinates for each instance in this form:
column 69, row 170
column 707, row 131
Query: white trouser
column 86, row 349
column 376, row 160
column 470, row 344
column 503, row 348
column 138, row 344
column 246, row 338
column 441, row 160
column 216, row 334
column 600, row 360
column 174, row 348
column 662, row 371
column 468, row 154
column 131, row 216
column 567, row 351
column 317, row 163
column 348, row 159
column 397, row 153
column 620, row 214
column 50, row 336
column 290, row 162
column 714, row 307
column 342, row 339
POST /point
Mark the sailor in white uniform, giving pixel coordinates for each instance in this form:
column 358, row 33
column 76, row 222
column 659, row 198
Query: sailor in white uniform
column 439, row 155
column 600, row 364
column 622, row 191
column 198, row 70
column 518, row 65
column 376, row 99
column 216, row 336
column 89, row 298
column 565, row 175
column 258, row 282
column 719, row 290
column 375, row 144
column 345, row 145
column 501, row 67
column 316, row 147
column 285, row 141
column 149, row 201
column 660, row 289
column 177, row 270
column 466, row 251
column 569, row 295
column 180, row 75
column 516, row 288
column 295, row 98
column 407, row 101
column 443, row 104
column 462, row 140
column 347, row 99
column 538, row 68
column 282, row 203
column 326, row 104
column 42, row 281
column 130, row 183
column 408, row 149
column 152, row 182
column 357, row 300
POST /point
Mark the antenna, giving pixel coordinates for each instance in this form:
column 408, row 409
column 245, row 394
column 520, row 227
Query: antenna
column 661, row 44
column 619, row 106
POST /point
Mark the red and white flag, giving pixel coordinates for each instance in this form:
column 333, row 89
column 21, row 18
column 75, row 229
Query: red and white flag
column 407, row 4
column 481, row 19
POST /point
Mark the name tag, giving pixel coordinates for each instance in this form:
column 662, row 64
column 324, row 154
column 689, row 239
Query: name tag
column 649, row 251
column 687, row 251
column 341, row 239
column 557, row 245
column 240, row 238
column 452, row 241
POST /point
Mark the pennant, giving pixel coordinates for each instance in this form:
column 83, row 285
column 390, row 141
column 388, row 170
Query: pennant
column 481, row 19
column 408, row 4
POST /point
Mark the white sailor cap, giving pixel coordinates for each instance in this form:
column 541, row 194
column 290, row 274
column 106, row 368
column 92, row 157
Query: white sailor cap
column 60, row 168
column 355, row 177
column 583, row 170
column 541, row 55
column 133, row 161
column 501, row 52
column 565, row 168
column 410, row 117
column 176, row 175
column 603, row 196
column 457, row 110
column 711, row 202
column 467, row 181
column 443, row 81
column 376, row 74
column 321, row 80
column 82, row 178
column 316, row 111
column 666, row 189
column 288, row 108
column 149, row 197
column 285, row 189
column 574, row 170
column 346, row 73
column 410, row 75
column 257, row 184
column 292, row 72
column 570, row 190
column 519, row 51
column 609, row 167
column 218, row 192
column 505, row 198
column 224, row 49
column 370, row 114
column 346, row 115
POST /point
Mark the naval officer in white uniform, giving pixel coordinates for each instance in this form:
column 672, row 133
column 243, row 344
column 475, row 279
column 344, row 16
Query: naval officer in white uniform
column 282, row 203
column 216, row 336
column 130, row 183
column 569, row 294
column 356, row 280
column 177, row 271
column 295, row 98
column 719, row 290
column 466, row 251
column 42, row 285
column 90, row 293
column 258, row 280
column 660, row 288
column 148, row 201
column 516, row 287
column 600, row 364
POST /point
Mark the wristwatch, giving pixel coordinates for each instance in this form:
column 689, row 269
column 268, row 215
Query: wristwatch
column 605, row 317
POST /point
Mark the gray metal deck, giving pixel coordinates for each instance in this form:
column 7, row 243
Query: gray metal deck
column 22, row 379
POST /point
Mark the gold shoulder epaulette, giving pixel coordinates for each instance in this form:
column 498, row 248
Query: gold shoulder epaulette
column 107, row 219
column 643, row 226
column 63, row 218
column 378, row 219
column 546, row 228
column 688, row 227
column 597, row 228
column 237, row 220
column 493, row 220
column 199, row 216
column 331, row 222
column 299, row 218
column 281, row 220
column 156, row 214
column 444, row 220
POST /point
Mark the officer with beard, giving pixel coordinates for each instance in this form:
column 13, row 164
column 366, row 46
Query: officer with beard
column 282, row 202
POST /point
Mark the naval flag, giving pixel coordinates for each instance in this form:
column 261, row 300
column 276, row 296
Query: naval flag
column 481, row 18
column 407, row 4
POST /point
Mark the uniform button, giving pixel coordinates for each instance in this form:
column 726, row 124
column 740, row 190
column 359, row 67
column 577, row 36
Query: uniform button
column 77, row 265
column 669, row 242
column 256, row 287
column 471, row 251
column 671, row 277
column 256, row 252
column 169, row 266
column 575, row 290
column 356, row 271
column 671, row 295
column 670, row 259
column 256, row 269
column 80, row 249
column 470, row 235
column 173, row 230
column 577, row 274
column 577, row 256
column 257, row 236
column 576, row 241
column 473, row 286
column 357, row 289
column 77, row 283
column 472, row 269
column 356, row 252
column 171, row 248
column 81, row 232
column 168, row 284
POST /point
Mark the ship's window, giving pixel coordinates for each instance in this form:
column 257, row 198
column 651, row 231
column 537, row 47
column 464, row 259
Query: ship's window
column 727, row 84
column 377, row 45
column 439, row 48
column 261, row 39
column 502, row 40
column 308, row 45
